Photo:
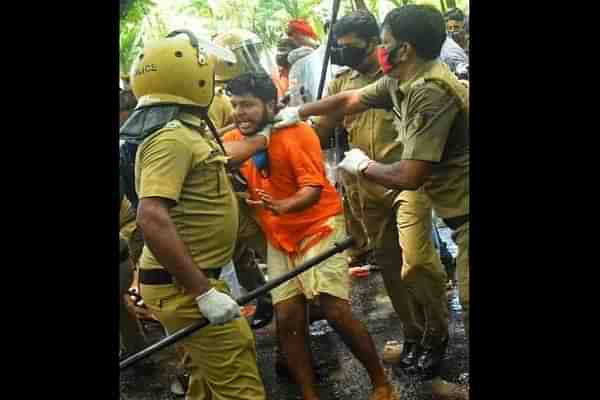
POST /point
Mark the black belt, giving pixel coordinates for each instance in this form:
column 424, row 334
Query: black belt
column 163, row 277
column 456, row 222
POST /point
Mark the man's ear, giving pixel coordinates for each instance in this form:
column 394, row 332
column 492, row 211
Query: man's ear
column 404, row 50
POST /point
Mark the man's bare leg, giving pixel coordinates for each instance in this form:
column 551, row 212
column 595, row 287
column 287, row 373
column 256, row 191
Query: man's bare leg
column 354, row 334
column 291, row 329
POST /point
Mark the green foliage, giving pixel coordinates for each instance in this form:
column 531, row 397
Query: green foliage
column 202, row 8
column 141, row 19
column 268, row 27
column 134, row 11
column 129, row 41
column 267, row 18
column 137, row 22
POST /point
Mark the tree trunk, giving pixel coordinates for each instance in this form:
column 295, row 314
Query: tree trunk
column 361, row 5
column 443, row 6
column 451, row 3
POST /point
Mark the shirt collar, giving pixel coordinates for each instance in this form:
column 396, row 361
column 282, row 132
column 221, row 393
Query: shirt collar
column 191, row 120
column 355, row 74
column 403, row 87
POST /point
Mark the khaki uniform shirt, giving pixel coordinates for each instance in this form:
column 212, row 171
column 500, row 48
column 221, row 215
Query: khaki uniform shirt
column 221, row 110
column 434, row 108
column 184, row 164
column 371, row 131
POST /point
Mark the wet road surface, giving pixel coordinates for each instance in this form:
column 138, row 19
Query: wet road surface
column 344, row 378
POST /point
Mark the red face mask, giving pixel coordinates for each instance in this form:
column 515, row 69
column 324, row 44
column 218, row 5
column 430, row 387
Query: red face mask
column 383, row 56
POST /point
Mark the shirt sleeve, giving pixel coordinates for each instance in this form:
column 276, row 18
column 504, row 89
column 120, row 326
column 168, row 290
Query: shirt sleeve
column 306, row 158
column 377, row 94
column 431, row 112
column 165, row 163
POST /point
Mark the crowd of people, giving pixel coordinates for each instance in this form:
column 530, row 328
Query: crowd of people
column 222, row 168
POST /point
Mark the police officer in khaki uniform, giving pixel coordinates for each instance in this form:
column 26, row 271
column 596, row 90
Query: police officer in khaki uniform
column 221, row 110
column 188, row 214
column 398, row 224
column 432, row 109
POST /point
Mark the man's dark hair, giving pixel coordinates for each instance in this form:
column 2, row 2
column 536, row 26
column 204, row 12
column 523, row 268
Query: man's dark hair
column 454, row 14
column 361, row 22
column 422, row 26
column 253, row 84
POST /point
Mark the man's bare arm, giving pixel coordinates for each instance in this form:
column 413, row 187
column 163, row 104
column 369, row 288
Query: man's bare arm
column 240, row 151
column 401, row 175
column 225, row 129
column 161, row 237
column 304, row 198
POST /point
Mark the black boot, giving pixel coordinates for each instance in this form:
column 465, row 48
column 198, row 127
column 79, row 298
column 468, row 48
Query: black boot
column 430, row 358
column 408, row 358
column 264, row 312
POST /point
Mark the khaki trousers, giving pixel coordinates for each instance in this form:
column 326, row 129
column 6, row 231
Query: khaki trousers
column 221, row 359
column 461, row 238
column 353, row 215
column 412, row 271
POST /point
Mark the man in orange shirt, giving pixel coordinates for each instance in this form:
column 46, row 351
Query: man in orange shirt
column 301, row 215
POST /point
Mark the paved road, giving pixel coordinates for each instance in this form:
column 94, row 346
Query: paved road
column 344, row 378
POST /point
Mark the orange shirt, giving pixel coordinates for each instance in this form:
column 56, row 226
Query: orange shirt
column 295, row 161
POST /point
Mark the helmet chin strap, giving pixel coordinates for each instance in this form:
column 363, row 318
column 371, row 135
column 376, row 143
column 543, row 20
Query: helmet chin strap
column 213, row 129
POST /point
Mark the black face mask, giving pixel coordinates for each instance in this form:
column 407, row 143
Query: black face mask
column 348, row 55
column 458, row 35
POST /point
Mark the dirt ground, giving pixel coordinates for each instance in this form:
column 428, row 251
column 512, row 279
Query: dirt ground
column 343, row 376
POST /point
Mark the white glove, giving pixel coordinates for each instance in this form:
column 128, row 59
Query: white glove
column 217, row 307
column 355, row 162
column 287, row 117
column 266, row 132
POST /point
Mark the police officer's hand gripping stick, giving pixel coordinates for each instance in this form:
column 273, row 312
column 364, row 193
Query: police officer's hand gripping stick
column 206, row 303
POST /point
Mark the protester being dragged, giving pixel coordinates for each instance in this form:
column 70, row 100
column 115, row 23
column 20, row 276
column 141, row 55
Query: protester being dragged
column 301, row 215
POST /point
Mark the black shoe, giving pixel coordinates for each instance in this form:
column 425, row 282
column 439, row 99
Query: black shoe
column 263, row 314
column 430, row 358
column 409, row 355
